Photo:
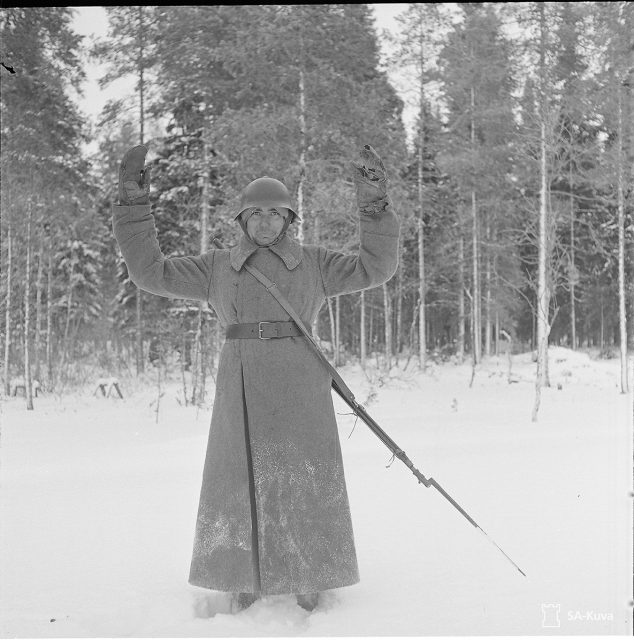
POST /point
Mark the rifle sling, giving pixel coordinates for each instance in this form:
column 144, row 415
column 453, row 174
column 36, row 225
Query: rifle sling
column 271, row 287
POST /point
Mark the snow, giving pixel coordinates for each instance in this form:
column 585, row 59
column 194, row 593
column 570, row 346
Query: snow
column 98, row 504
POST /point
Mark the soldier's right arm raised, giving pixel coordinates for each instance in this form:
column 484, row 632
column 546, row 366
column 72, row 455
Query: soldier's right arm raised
column 134, row 229
column 187, row 277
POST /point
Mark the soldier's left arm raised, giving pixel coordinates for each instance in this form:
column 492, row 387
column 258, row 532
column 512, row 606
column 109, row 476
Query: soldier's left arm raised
column 377, row 259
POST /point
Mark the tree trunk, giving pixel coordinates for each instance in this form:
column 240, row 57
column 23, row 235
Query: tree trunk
column 316, row 240
column 621, row 224
column 195, row 365
column 422, row 321
column 7, row 311
column 204, row 204
column 159, row 392
column 333, row 331
column 363, row 353
column 198, row 388
column 473, row 340
column 302, row 143
column 182, row 360
column 28, row 387
column 461, row 306
column 302, row 159
column 387, row 307
column 49, row 317
column 38, row 311
column 73, row 337
column 141, row 68
column 602, row 327
column 488, row 329
column 69, row 309
column 509, row 356
column 476, row 315
column 338, row 331
column 140, row 359
column 476, row 332
column 201, row 377
column 495, row 300
column 543, row 298
column 399, row 306
column 573, row 272
column 628, row 84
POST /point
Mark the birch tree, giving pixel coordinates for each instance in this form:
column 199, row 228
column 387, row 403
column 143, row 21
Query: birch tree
column 622, row 43
column 28, row 382
column 417, row 45
column 624, row 28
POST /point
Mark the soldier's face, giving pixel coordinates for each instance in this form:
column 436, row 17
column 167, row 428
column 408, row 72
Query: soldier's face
column 264, row 225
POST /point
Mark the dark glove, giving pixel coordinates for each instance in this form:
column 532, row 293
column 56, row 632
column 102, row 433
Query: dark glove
column 134, row 179
column 370, row 179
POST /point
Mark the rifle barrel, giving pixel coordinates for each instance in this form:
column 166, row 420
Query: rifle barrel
column 360, row 411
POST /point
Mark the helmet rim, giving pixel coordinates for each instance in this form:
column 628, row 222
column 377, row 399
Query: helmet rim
column 265, row 191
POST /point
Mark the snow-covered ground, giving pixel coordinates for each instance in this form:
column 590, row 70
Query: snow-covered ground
column 98, row 504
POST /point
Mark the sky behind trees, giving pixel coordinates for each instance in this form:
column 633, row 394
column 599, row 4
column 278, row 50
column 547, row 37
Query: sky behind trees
column 93, row 22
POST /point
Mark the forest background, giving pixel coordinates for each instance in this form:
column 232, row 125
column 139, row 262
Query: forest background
column 514, row 185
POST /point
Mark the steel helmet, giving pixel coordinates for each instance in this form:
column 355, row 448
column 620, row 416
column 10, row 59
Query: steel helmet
column 265, row 192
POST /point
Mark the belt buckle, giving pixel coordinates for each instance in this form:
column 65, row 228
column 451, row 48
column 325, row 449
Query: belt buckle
column 260, row 336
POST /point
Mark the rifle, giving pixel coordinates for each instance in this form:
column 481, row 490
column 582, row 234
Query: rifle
column 397, row 452
column 347, row 396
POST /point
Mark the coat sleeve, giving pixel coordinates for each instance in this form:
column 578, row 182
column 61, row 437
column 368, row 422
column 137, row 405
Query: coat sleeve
column 375, row 263
column 149, row 269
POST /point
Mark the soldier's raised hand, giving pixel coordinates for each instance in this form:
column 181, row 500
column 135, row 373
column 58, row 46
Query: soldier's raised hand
column 370, row 179
column 134, row 178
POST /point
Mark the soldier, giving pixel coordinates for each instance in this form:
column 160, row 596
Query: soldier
column 273, row 516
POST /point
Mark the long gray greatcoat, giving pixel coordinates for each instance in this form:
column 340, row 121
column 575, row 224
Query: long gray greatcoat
column 273, row 514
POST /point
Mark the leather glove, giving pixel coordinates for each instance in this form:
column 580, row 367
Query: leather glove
column 370, row 180
column 134, row 179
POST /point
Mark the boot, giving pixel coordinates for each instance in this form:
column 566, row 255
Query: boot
column 307, row 601
column 241, row 601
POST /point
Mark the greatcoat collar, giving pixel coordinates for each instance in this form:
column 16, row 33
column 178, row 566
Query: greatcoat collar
column 286, row 248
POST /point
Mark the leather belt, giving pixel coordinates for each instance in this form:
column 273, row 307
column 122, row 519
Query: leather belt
column 264, row 330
